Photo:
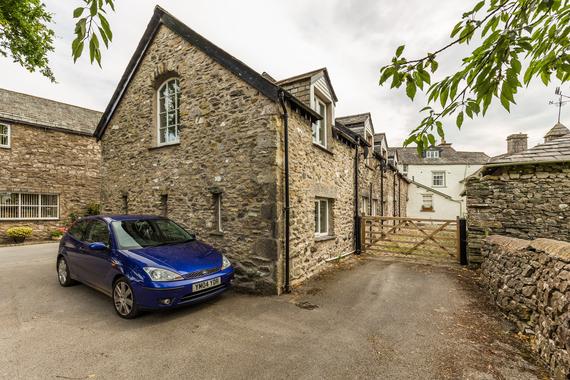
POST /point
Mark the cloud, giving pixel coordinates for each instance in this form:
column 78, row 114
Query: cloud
column 353, row 38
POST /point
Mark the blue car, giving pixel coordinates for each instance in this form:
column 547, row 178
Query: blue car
column 142, row 262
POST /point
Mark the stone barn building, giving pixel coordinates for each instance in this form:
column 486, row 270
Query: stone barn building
column 50, row 162
column 523, row 194
column 259, row 168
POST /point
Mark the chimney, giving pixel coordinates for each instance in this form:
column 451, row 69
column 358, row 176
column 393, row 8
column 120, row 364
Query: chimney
column 517, row 143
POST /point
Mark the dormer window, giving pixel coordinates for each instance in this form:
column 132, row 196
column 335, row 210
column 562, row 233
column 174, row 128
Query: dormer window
column 320, row 127
column 4, row 136
column 432, row 154
column 169, row 112
column 370, row 141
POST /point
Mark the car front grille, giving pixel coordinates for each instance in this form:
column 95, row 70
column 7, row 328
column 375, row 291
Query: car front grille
column 200, row 273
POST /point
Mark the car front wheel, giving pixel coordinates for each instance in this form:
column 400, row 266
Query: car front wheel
column 63, row 274
column 124, row 299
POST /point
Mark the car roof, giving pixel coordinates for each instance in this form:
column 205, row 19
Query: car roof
column 119, row 217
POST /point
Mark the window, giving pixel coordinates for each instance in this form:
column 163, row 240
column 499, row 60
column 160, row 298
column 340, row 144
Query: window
column 4, row 136
column 78, row 230
column 320, row 127
column 98, row 232
column 322, row 207
column 405, row 170
column 218, row 212
column 427, row 202
column 26, row 206
column 169, row 112
column 143, row 233
column 364, row 206
column 369, row 140
column 432, row 154
column 164, row 205
column 125, row 200
column 374, row 207
column 438, row 179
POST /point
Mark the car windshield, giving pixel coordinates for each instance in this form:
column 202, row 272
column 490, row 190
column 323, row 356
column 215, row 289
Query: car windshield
column 132, row 234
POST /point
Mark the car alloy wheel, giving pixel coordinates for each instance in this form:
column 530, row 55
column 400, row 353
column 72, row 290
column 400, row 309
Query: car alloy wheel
column 62, row 271
column 63, row 275
column 124, row 300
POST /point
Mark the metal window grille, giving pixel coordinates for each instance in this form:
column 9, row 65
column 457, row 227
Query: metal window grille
column 29, row 206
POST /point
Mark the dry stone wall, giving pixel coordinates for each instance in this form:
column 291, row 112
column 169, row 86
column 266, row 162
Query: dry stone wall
column 526, row 202
column 530, row 282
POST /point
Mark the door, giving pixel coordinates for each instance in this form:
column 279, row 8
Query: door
column 74, row 247
column 98, row 263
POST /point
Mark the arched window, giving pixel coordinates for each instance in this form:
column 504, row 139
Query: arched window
column 169, row 112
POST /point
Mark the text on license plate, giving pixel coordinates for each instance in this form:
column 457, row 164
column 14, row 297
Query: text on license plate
column 206, row 284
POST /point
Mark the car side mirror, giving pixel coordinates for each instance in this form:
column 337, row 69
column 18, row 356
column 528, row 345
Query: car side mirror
column 98, row 246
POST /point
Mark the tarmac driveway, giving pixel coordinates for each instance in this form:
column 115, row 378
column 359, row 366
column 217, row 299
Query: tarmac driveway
column 369, row 318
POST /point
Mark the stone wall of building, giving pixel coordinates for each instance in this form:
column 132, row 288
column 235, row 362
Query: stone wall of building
column 318, row 173
column 43, row 160
column 228, row 145
column 530, row 282
column 526, row 201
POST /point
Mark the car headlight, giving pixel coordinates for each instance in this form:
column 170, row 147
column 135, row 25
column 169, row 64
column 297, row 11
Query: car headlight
column 225, row 262
column 159, row 274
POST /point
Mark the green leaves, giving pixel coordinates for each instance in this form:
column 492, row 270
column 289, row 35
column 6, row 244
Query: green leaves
column 508, row 32
column 90, row 28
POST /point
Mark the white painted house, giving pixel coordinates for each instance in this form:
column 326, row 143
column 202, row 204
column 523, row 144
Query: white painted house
column 437, row 179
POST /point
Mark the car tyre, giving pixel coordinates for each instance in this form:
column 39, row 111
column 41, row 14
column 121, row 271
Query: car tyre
column 63, row 273
column 124, row 299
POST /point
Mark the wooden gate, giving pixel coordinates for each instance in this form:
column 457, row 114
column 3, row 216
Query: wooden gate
column 435, row 238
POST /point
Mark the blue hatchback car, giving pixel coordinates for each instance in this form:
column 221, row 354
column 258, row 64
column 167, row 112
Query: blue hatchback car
column 142, row 262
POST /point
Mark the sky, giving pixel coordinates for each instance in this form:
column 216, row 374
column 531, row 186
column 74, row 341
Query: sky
column 352, row 38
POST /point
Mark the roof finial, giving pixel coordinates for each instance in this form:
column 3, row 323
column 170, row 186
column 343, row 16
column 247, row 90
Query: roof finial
column 559, row 102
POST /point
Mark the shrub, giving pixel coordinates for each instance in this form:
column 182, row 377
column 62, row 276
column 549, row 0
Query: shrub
column 93, row 209
column 19, row 234
column 58, row 232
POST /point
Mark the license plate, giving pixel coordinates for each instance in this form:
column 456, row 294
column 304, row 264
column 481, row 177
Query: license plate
column 206, row 284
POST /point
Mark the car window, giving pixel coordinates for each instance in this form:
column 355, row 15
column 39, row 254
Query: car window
column 141, row 233
column 98, row 232
column 78, row 230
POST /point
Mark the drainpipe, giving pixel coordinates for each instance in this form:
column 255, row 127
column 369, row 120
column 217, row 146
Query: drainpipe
column 382, row 186
column 357, row 242
column 394, row 197
column 399, row 196
column 287, row 202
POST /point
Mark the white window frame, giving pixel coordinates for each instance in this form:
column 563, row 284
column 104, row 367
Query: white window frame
column 433, row 178
column 320, row 220
column 219, row 225
column 159, row 127
column 365, row 206
column 374, row 207
column 38, row 205
column 7, row 134
column 427, row 201
column 320, row 124
column 433, row 153
column 405, row 169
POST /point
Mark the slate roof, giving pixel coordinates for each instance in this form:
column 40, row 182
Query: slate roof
column 448, row 156
column 353, row 119
column 308, row 75
column 237, row 67
column 31, row 110
column 378, row 137
column 557, row 150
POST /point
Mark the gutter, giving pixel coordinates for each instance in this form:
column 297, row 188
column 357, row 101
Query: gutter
column 287, row 287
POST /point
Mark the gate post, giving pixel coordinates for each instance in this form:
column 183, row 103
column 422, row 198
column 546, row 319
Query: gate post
column 358, row 234
column 462, row 227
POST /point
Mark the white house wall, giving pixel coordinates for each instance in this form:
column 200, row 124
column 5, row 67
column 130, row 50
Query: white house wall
column 443, row 207
column 454, row 174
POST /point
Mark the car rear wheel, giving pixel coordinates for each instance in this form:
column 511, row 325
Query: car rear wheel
column 63, row 274
column 124, row 299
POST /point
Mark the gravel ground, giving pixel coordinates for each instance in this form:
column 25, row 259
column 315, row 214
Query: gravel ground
column 366, row 318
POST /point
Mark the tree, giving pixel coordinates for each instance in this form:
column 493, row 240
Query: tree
column 26, row 36
column 513, row 34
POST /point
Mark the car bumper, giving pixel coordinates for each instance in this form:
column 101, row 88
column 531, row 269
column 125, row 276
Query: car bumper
column 165, row 295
